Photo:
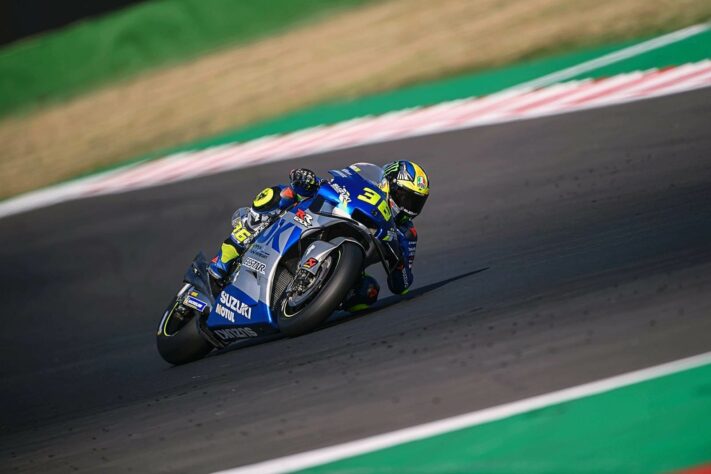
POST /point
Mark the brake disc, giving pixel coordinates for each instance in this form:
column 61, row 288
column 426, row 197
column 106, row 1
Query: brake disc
column 305, row 284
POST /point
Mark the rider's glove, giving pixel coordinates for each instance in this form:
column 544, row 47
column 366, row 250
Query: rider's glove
column 303, row 181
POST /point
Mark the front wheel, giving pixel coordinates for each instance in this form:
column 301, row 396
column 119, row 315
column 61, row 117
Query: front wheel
column 301, row 312
column 179, row 340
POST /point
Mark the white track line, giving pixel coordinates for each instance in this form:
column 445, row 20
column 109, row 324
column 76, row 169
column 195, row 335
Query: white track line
column 617, row 56
column 375, row 443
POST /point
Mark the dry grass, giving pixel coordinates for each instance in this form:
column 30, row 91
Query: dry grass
column 370, row 49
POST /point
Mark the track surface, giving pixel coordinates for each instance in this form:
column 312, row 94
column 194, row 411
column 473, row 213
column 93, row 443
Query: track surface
column 595, row 226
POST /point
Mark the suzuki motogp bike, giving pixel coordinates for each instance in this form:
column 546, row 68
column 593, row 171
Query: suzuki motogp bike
column 293, row 276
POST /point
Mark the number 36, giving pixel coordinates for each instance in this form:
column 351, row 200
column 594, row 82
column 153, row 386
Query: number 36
column 373, row 197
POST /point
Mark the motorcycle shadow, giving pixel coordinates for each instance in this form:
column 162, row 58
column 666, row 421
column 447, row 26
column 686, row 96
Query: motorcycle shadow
column 340, row 317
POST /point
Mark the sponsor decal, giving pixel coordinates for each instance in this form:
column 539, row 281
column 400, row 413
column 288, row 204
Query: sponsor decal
column 310, row 263
column 253, row 264
column 229, row 306
column 303, row 218
column 193, row 302
column 343, row 193
column 404, row 174
column 225, row 313
column 420, row 182
column 229, row 334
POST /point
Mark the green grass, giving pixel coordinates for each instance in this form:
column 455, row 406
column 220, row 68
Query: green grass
column 58, row 65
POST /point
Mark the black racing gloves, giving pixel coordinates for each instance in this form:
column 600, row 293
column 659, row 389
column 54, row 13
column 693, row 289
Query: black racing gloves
column 303, row 181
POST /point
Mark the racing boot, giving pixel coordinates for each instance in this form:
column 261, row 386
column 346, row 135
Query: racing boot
column 221, row 266
column 362, row 295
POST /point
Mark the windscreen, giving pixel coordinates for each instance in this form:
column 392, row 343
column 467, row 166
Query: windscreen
column 370, row 172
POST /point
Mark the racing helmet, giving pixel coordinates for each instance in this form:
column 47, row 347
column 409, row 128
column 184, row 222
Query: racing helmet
column 409, row 188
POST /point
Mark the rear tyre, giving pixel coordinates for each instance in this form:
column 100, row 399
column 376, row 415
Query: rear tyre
column 342, row 272
column 179, row 340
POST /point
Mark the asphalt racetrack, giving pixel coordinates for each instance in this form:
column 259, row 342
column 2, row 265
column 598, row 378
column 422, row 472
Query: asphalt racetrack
column 553, row 252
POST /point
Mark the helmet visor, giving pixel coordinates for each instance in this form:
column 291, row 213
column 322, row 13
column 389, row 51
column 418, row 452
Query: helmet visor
column 409, row 201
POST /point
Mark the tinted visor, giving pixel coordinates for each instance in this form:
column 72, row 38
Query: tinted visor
column 409, row 201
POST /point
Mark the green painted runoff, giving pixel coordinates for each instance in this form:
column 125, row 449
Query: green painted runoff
column 655, row 426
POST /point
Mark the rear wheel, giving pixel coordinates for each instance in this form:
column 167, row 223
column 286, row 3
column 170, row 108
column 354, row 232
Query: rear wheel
column 179, row 340
column 310, row 300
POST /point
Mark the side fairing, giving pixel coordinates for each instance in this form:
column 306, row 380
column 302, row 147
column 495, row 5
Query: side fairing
column 245, row 301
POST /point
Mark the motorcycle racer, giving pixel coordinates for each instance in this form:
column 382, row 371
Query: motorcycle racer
column 409, row 190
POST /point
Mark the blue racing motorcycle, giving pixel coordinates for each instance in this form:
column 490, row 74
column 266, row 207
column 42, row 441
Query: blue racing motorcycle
column 294, row 275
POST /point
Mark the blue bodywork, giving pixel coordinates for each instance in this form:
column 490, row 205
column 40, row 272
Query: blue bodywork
column 347, row 195
column 356, row 203
column 234, row 308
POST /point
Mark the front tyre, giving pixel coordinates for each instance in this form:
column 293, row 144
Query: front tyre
column 179, row 340
column 301, row 313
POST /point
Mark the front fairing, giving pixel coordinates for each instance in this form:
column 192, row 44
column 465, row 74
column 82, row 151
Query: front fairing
column 360, row 193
